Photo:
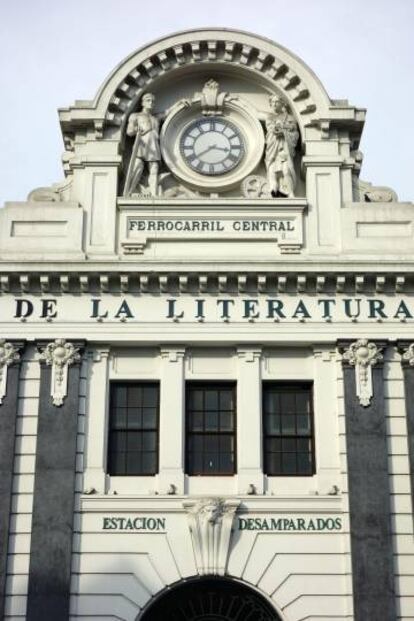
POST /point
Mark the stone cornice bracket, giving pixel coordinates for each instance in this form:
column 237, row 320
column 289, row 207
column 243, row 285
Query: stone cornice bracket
column 249, row 354
column 59, row 354
column 211, row 524
column 9, row 354
column 363, row 355
column 407, row 355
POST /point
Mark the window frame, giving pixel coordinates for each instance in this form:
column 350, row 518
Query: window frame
column 206, row 385
column 150, row 383
column 301, row 384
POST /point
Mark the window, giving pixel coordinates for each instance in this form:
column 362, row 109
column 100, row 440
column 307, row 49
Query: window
column 133, row 429
column 288, row 432
column 211, row 424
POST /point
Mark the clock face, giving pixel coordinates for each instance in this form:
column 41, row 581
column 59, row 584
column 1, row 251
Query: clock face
column 212, row 146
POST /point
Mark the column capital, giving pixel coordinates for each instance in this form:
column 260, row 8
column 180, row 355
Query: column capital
column 367, row 352
column 249, row 354
column 9, row 355
column 172, row 353
column 406, row 349
column 363, row 355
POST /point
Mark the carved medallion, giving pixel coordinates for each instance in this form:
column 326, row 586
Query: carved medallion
column 59, row 355
column 363, row 355
column 8, row 355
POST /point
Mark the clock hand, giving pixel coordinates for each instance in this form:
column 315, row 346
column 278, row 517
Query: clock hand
column 212, row 146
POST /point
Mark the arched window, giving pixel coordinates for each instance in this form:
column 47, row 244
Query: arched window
column 210, row 599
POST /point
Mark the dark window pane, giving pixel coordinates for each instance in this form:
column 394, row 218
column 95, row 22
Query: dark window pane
column 273, row 424
column 211, row 463
column 288, row 403
column 196, row 421
column 149, row 441
column 119, row 418
column 226, row 400
column 226, row 444
column 274, row 461
column 273, row 445
column 211, row 421
column 120, row 396
column 289, row 446
column 150, row 396
column 195, row 444
column 134, row 441
column 149, row 461
column 304, row 463
column 289, row 463
column 302, row 403
column 117, row 463
column 117, row 441
column 133, row 462
column 271, row 403
column 211, row 400
column 226, row 421
column 196, row 400
column 288, row 425
column 304, row 445
column 303, row 424
column 195, row 463
column 149, row 418
column 134, row 396
column 226, row 462
column 134, row 418
column 211, row 443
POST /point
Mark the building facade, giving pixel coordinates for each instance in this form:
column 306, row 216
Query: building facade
column 207, row 355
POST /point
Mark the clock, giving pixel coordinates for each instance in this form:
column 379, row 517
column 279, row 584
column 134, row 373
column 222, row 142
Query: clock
column 212, row 146
column 212, row 153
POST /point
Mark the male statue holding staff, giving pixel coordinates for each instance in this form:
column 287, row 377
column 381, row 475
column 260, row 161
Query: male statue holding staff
column 145, row 127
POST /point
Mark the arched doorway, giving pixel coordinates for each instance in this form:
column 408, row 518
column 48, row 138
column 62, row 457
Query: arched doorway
column 210, row 599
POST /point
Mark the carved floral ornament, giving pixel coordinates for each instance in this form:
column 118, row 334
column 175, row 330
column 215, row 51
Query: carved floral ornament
column 8, row 355
column 210, row 523
column 59, row 355
column 363, row 355
column 408, row 355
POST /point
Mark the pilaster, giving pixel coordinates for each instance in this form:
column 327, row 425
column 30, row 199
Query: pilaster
column 326, row 421
column 249, row 421
column 97, row 421
column 54, row 490
column 406, row 349
column 368, row 481
column 10, row 363
column 172, row 421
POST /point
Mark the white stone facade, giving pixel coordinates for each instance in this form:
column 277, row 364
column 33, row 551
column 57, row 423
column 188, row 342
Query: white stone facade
column 203, row 276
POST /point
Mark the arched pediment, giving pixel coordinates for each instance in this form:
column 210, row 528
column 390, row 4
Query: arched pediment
column 215, row 51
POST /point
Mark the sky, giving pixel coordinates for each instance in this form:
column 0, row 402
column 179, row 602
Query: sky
column 55, row 51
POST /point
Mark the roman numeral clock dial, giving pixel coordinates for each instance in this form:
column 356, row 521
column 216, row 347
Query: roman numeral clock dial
column 212, row 146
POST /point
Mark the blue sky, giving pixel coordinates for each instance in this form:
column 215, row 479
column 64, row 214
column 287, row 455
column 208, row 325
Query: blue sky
column 56, row 51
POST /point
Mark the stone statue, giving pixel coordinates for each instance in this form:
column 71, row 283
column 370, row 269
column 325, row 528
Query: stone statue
column 146, row 150
column 281, row 139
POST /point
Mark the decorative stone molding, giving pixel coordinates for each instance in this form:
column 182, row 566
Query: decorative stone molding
column 408, row 355
column 363, row 355
column 59, row 355
column 210, row 523
column 8, row 355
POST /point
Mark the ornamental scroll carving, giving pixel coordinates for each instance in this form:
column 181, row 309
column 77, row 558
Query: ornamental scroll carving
column 59, row 355
column 408, row 355
column 210, row 523
column 8, row 355
column 363, row 355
